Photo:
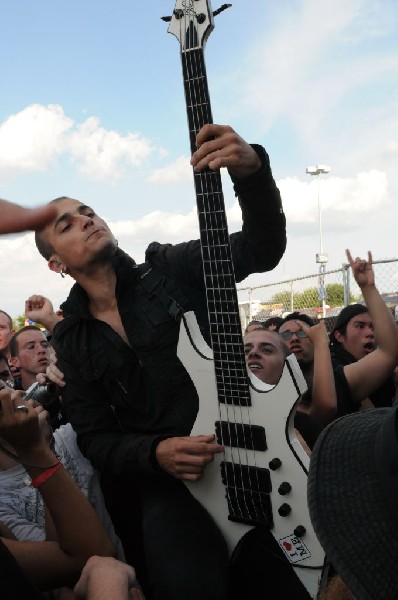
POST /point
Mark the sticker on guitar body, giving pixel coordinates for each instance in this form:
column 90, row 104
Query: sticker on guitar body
column 294, row 548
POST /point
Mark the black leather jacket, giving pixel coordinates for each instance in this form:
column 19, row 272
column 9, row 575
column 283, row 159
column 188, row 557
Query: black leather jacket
column 121, row 400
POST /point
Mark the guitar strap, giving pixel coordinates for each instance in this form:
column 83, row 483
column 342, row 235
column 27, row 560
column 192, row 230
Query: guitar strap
column 153, row 282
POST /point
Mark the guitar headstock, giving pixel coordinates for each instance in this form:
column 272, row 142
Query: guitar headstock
column 192, row 22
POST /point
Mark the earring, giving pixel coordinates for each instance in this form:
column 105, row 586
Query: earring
column 63, row 274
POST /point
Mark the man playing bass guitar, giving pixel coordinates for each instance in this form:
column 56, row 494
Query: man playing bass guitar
column 126, row 393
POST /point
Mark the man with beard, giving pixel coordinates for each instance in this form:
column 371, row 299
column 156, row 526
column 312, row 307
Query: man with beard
column 126, row 393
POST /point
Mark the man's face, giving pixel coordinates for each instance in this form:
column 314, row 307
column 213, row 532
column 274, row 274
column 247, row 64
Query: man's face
column 264, row 355
column 79, row 237
column 33, row 353
column 301, row 347
column 359, row 337
column 6, row 331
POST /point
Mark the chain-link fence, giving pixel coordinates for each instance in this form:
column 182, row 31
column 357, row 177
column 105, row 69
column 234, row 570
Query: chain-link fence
column 319, row 295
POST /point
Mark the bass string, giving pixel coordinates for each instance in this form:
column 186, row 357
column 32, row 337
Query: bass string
column 218, row 265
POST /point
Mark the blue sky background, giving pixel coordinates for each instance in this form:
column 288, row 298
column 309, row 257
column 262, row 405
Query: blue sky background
column 92, row 106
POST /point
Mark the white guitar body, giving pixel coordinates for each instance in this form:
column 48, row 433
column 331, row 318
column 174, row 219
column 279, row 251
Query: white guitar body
column 273, row 408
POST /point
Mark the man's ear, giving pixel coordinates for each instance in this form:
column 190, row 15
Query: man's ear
column 14, row 361
column 339, row 337
column 54, row 264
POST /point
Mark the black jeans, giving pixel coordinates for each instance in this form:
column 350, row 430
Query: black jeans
column 186, row 554
column 259, row 570
column 171, row 540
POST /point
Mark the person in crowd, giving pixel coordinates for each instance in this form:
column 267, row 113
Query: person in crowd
column 16, row 582
column 30, row 355
column 273, row 323
column 252, row 325
column 126, row 393
column 6, row 332
column 352, row 493
column 22, row 510
column 265, row 353
column 77, row 532
column 298, row 342
column 5, row 373
column 354, row 381
column 353, row 338
column 29, row 352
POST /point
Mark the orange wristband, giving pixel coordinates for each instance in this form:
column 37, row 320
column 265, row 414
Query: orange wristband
column 40, row 479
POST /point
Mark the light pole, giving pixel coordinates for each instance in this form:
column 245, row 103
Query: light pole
column 321, row 258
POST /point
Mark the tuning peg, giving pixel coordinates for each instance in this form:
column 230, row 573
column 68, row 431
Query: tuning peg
column 223, row 7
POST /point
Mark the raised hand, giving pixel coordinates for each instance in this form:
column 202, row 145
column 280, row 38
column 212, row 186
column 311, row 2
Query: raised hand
column 362, row 269
column 220, row 146
column 21, row 428
column 316, row 333
column 40, row 309
column 15, row 218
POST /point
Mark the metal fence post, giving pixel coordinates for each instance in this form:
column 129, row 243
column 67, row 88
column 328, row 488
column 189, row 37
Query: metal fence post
column 346, row 283
column 291, row 297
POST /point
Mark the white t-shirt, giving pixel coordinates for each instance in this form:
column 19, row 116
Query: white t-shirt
column 22, row 507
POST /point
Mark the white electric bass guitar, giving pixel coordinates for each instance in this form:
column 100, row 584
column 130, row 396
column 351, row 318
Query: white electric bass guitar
column 261, row 479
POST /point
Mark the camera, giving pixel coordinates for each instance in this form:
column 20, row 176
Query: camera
column 44, row 394
column 48, row 396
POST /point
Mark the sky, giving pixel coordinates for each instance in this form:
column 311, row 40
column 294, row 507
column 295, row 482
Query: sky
column 92, row 107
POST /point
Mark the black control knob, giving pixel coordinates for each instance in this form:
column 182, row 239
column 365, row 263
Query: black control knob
column 284, row 488
column 299, row 531
column 284, row 510
column 274, row 464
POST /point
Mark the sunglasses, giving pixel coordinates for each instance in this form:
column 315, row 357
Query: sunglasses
column 287, row 335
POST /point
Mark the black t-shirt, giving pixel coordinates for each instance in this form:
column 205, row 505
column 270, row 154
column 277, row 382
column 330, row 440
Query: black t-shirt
column 308, row 427
column 383, row 396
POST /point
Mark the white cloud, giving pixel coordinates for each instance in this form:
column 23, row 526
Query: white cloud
column 104, row 155
column 33, row 138
column 157, row 225
column 179, row 170
column 344, row 201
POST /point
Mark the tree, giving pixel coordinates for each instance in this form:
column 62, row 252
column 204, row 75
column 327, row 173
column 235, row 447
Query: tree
column 335, row 295
column 309, row 298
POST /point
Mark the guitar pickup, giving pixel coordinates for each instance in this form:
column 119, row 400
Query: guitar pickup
column 248, row 494
column 240, row 435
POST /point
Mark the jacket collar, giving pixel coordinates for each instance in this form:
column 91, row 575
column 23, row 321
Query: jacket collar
column 77, row 302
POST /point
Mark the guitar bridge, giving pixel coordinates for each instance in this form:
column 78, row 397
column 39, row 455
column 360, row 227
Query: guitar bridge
column 248, row 492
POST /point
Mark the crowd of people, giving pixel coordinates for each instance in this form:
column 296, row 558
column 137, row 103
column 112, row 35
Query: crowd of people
column 350, row 374
column 97, row 412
